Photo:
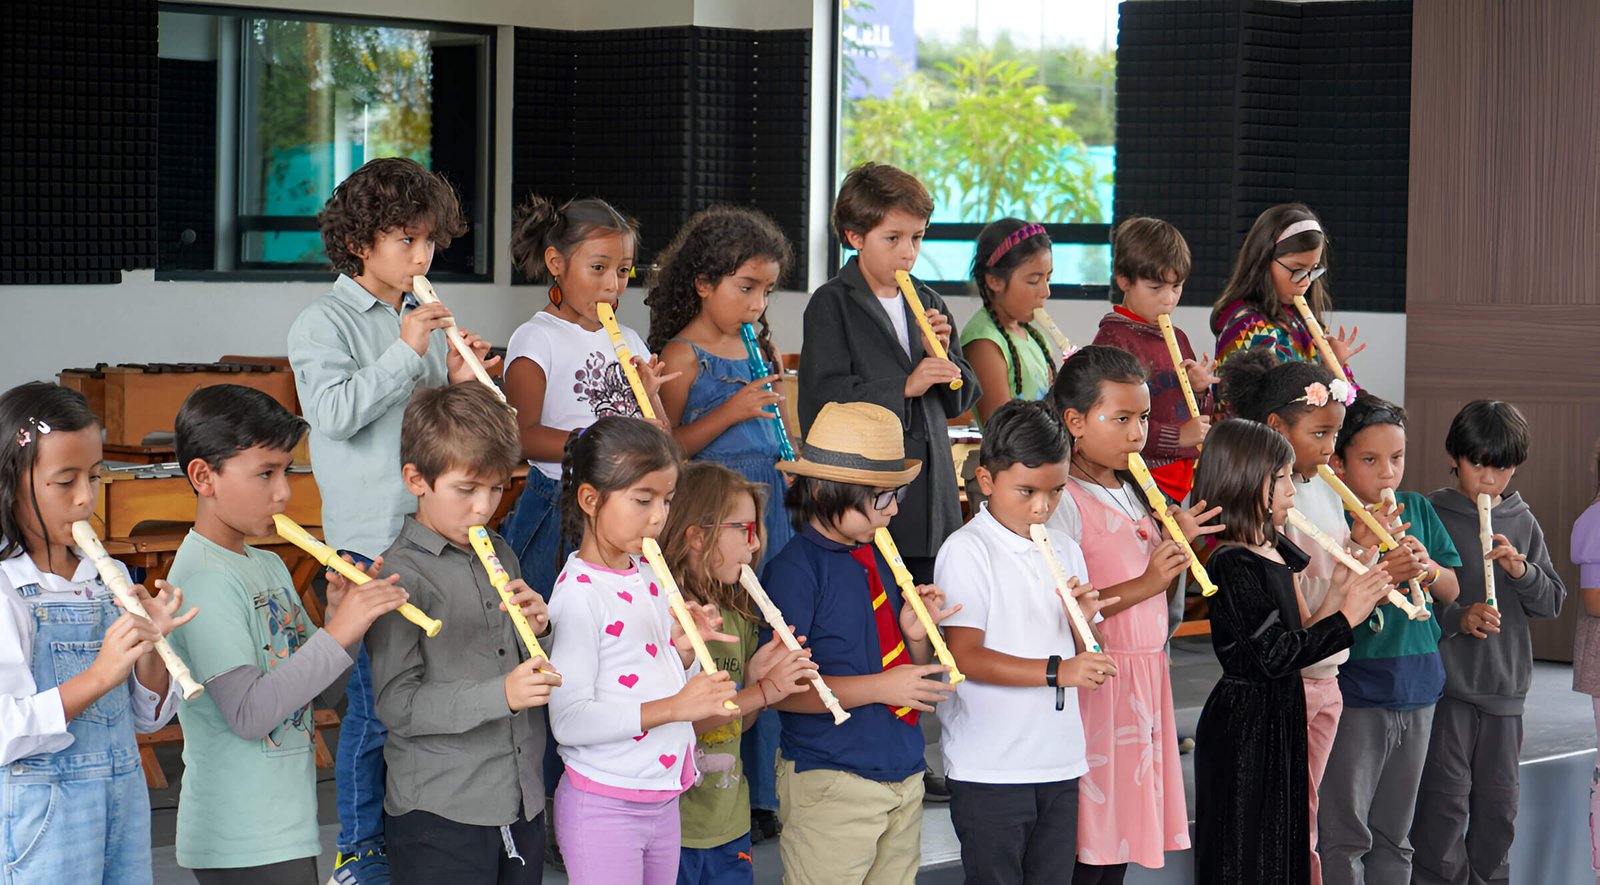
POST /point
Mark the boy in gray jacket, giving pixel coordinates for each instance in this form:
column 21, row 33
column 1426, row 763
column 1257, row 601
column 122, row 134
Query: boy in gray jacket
column 1471, row 771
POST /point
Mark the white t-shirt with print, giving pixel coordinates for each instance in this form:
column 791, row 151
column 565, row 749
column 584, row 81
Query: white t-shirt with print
column 583, row 380
column 995, row 734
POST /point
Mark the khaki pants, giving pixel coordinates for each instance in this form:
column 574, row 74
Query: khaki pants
column 841, row 828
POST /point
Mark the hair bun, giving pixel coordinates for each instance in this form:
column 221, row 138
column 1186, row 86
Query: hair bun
column 536, row 224
column 1242, row 378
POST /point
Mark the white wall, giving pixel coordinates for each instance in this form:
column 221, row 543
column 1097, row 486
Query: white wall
column 49, row 328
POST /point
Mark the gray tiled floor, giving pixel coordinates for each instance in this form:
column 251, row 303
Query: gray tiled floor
column 1558, row 722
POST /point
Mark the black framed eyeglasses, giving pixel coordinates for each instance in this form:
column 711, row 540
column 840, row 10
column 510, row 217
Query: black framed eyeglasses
column 1303, row 274
column 751, row 529
column 881, row 500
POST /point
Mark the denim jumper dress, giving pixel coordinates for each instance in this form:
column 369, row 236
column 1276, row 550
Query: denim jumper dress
column 749, row 448
column 82, row 814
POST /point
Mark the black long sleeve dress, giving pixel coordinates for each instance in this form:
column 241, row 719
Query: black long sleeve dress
column 1250, row 765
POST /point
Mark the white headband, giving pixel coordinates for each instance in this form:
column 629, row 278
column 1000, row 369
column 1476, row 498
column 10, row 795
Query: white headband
column 1299, row 227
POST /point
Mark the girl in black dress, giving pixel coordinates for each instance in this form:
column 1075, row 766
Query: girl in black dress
column 1250, row 756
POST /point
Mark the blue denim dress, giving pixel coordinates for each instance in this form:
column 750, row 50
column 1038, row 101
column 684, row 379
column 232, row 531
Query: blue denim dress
column 81, row 814
column 749, row 448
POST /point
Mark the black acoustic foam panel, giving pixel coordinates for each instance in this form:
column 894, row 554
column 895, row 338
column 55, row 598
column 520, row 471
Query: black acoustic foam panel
column 663, row 122
column 186, row 236
column 78, row 110
column 1226, row 107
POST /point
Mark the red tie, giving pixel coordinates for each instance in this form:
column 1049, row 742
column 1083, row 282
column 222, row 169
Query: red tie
column 888, row 629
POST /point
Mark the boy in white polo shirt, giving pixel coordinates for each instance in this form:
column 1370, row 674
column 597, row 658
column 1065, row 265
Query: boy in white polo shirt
column 1013, row 742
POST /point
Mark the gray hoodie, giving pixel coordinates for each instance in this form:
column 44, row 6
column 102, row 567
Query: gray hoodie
column 1494, row 674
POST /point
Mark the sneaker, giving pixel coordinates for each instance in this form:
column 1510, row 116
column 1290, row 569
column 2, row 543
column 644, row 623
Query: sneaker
column 935, row 789
column 370, row 867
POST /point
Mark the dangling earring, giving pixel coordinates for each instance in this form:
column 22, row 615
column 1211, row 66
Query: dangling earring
column 555, row 293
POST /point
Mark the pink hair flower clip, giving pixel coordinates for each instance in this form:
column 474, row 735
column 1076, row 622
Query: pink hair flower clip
column 1319, row 394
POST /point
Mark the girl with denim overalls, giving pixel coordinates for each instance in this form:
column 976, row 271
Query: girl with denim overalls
column 78, row 677
column 715, row 278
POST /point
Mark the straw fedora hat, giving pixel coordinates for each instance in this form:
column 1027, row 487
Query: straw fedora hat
column 857, row 443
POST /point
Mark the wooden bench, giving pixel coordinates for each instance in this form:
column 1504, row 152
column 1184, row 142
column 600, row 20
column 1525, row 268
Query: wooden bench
column 156, row 779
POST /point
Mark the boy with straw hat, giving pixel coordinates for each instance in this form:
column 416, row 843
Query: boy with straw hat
column 850, row 795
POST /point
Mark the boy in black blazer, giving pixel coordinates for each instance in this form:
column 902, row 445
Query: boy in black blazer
column 862, row 344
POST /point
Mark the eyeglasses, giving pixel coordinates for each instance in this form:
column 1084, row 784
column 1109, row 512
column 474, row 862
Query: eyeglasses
column 881, row 500
column 750, row 529
column 1303, row 274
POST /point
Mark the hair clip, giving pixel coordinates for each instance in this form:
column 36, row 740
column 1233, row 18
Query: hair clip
column 25, row 436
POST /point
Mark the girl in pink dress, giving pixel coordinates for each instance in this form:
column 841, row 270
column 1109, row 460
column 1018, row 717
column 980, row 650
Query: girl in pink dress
column 1131, row 804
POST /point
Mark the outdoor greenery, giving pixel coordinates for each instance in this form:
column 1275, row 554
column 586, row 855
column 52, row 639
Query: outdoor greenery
column 993, row 129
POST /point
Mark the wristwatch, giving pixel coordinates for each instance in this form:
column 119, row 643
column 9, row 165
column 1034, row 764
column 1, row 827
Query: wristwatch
column 1052, row 669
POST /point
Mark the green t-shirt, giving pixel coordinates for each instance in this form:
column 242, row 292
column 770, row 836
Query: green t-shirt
column 1035, row 365
column 716, row 810
column 1401, row 636
column 242, row 802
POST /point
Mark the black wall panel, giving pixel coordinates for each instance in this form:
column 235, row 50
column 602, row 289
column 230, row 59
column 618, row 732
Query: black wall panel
column 663, row 122
column 1226, row 107
column 78, row 107
column 187, row 165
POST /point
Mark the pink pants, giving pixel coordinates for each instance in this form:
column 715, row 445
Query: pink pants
column 1324, row 703
column 605, row 840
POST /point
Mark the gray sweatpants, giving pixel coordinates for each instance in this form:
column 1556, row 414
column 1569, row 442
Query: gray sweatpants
column 1471, row 772
column 1369, row 793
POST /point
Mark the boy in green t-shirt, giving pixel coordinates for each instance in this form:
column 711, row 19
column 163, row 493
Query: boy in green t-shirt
column 247, row 809
column 1394, row 676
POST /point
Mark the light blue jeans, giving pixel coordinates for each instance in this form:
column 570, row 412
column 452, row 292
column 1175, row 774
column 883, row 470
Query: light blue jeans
column 82, row 814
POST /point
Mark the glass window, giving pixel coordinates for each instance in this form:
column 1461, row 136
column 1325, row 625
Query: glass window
column 305, row 101
column 1001, row 107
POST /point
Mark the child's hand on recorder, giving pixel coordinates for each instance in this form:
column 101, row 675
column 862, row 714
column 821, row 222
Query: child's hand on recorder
column 1090, row 602
column 1196, row 521
column 783, row 670
column 418, row 323
column 933, row 600
column 1480, row 619
column 164, row 606
column 1514, row 562
column 940, row 324
column 1089, row 669
column 910, row 685
column 532, row 605
column 1167, row 561
column 1193, row 431
column 457, row 369
column 529, row 684
column 929, row 373
column 703, row 697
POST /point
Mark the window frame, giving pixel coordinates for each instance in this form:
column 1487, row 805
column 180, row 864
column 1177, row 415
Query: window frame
column 231, row 102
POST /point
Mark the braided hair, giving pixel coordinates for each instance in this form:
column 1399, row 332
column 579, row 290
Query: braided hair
column 991, row 238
